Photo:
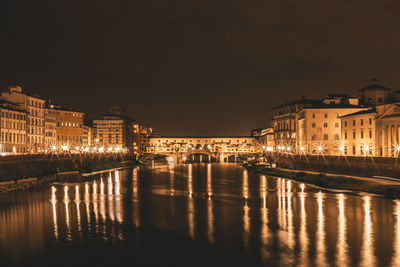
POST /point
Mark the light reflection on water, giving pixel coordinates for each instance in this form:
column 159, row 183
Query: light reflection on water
column 268, row 220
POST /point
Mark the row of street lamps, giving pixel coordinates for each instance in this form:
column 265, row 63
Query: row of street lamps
column 319, row 149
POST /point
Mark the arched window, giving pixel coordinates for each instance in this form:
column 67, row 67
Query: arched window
column 325, row 137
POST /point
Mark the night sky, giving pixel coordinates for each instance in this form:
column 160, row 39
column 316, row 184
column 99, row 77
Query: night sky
column 196, row 67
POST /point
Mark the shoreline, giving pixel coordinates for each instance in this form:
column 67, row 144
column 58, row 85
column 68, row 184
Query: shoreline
column 386, row 188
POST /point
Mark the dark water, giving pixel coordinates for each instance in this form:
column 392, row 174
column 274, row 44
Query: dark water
column 196, row 215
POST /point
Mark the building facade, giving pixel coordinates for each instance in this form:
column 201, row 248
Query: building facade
column 284, row 122
column 141, row 136
column 88, row 135
column 114, row 130
column 12, row 128
column 50, row 136
column 319, row 126
column 35, row 107
column 69, row 127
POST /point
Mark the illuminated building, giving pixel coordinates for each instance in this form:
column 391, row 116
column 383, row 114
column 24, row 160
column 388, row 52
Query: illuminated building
column 114, row 129
column 375, row 131
column 285, row 118
column 141, row 135
column 13, row 128
column 319, row 125
column 88, row 135
column 69, row 128
column 265, row 137
column 213, row 144
column 50, row 129
column 35, row 107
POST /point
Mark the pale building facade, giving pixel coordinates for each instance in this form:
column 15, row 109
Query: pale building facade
column 12, row 128
column 319, row 128
column 359, row 134
column 35, row 107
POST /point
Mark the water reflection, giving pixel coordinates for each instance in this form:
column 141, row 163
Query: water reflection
column 342, row 247
column 396, row 237
column 271, row 221
column 303, row 235
column 321, row 247
column 190, row 209
column 264, row 216
column 67, row 219
column 54, row 207
column 367, row 249
column 210, row 215
column 246, row 208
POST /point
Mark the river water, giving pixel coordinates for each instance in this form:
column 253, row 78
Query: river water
column 196, row 215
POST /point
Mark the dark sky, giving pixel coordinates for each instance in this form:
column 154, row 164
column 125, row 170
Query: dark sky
column 197, row 67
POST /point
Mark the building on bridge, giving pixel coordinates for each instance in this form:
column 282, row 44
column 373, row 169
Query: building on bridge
column 218, row 146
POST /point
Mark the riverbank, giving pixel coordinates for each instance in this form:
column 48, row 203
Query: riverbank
column 83, row 174
column 389, row 189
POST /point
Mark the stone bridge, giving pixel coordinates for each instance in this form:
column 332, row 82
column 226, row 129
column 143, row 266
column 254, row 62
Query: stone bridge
column 202, row 154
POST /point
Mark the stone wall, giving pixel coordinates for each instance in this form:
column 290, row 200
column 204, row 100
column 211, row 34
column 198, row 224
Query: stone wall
column 18, row 167
column 359, row 166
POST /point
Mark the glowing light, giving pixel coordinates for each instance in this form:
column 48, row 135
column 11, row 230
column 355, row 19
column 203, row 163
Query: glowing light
column 101, row 149
column 302, row 148
column 398, row 148
column 65, row 148
column 184, row 158
column 269, row 148
column 117, row 149
column 366, row 148
column 319, row 148
column 263, row 147
column 288, row 148
column 53, row 148
column 341, row 148
column 110, row 149
column 77, row 148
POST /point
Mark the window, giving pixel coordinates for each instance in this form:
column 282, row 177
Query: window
column 370, row 134
column 325, row 137
column 345, row 123
column 354, row 122
column 326, row 125
column 362, row 122
column 370, row 121
column 354, row 149
column 313, row 125
column 313, row 137
column 362, row 134
column 354, row 135
column 336, row 137
column 380, row 99
column 325, row 115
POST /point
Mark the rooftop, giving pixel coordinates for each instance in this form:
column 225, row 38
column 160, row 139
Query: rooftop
column 362, row 112
column 302, row 101
column 374, row 86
